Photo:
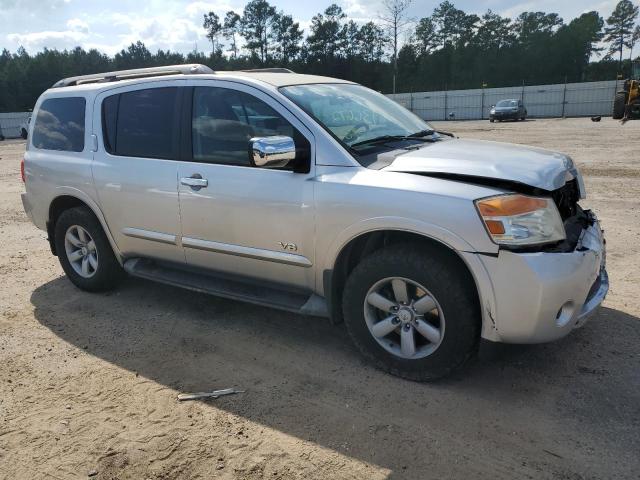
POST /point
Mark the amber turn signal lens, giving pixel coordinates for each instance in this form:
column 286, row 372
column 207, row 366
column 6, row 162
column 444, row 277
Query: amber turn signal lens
column 495, row 227
column 508, row 205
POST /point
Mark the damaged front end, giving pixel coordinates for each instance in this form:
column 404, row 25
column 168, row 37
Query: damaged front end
column 575, row 220
column 543, row 292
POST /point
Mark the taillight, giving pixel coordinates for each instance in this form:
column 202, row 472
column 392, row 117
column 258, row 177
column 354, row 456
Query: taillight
column 24, row 179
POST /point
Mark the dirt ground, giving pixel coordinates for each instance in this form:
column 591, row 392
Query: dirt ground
column 88, row 382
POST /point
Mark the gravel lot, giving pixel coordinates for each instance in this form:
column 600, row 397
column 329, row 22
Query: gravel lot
column 88, row 382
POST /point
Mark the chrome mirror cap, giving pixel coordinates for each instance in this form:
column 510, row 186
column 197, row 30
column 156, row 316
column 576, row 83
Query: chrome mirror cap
column 272, row 152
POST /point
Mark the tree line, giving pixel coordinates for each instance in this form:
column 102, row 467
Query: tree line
column 450, row 49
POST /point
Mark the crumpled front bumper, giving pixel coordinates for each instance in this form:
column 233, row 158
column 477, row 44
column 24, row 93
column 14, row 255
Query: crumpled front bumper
column 542, row 296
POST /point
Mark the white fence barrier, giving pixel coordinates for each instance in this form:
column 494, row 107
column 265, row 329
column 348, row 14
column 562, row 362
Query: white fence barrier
column 560, row 100
column 11, row 123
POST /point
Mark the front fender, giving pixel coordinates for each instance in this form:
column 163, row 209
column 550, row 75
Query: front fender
column 461, row 247
column 435, row 232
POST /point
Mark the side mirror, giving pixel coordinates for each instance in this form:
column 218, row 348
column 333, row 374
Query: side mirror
column 272, row 152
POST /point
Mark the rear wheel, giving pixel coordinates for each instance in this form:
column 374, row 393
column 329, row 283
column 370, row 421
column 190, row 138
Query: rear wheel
column 619, row 103
column 410, row 313
column 84, row 251
column 23, row 134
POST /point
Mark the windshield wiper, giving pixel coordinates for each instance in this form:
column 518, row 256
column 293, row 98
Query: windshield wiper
column 448, row 134
column 421, row 133
column 386, row 138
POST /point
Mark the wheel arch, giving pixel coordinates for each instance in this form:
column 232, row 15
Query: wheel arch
column 71, row 199
column 365, row 243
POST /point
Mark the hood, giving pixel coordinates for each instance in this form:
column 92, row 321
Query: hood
column 531, row 166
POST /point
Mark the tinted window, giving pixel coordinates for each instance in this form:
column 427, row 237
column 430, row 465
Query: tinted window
column 109, row 121
column 60, row 125
column 225, row 120
column 141, row 123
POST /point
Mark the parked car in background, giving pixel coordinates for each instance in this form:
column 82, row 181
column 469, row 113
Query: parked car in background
column 24, row 127
column 314, row 195
column 511, row 109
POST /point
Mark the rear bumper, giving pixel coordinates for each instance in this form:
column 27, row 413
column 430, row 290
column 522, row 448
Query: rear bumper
column 542, row 296
column 26, row 204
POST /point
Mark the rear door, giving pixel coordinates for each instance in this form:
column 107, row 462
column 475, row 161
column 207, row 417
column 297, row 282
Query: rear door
column 135, row 168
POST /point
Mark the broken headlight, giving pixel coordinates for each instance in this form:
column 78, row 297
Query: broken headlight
column 521, row 220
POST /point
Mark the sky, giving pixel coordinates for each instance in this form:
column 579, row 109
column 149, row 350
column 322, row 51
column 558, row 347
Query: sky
column 110, row 26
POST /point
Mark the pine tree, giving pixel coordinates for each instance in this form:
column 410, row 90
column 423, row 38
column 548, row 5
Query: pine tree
column 619, row 30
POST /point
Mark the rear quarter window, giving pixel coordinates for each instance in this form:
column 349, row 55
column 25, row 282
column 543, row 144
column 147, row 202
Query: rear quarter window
column 59, row 125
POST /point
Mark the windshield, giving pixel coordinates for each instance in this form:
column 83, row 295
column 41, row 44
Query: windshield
column 507, row 103
column 355, row 114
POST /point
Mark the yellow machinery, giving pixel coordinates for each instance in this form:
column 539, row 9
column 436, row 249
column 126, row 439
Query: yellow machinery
column 626, row 104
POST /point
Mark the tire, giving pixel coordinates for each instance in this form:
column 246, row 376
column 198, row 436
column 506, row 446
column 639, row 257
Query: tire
column 106, row 273
column 457, row 316
column 491, row 120
column 619, row 102
column 23, row 134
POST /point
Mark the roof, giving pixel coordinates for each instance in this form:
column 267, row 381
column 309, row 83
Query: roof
column 278, row 79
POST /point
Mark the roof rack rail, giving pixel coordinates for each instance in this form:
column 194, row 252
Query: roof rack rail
column 269, row 70
column 190, row 69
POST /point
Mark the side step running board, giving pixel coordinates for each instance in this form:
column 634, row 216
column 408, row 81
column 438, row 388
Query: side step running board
column 233, row 288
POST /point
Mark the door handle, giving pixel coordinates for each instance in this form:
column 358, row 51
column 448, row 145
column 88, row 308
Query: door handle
column 195, row 181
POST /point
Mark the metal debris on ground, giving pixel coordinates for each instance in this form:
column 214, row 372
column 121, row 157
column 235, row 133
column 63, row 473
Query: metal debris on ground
column 215, row 394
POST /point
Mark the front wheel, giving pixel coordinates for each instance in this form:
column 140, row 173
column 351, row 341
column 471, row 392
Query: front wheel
column 411, row 313
column 84, row 251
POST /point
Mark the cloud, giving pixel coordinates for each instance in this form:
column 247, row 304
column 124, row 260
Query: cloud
column 353, row 8
column 197, row 9
column 32, row 5
column 166, row 32
column 77, row 25
column 48, row 39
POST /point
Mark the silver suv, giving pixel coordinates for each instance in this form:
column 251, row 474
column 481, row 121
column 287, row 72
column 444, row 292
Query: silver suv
column 318, row 196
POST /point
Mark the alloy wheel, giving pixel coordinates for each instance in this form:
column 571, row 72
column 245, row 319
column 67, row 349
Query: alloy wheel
column 81, row 251
column 404, row 318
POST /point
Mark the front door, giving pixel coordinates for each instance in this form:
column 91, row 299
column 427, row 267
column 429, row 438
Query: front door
column 239, row 219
